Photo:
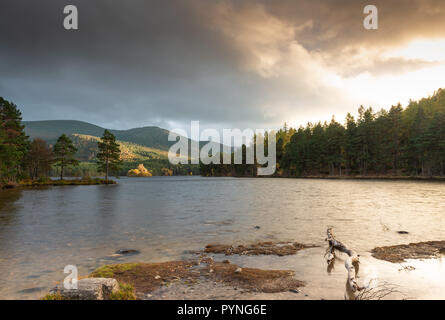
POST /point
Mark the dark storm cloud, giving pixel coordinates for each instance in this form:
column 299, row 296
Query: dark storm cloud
column 334, row 24
column 134, row 63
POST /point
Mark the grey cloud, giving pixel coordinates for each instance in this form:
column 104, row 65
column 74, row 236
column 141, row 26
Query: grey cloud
column 135, row 63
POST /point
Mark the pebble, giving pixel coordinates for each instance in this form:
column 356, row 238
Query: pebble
column 238, row 270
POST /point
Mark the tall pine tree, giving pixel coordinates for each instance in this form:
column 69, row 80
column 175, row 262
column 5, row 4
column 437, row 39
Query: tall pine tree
column 64, row 152
column 13, row 140
column 108, row 157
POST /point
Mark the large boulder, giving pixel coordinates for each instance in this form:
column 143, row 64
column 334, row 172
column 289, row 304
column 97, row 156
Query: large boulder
column 89, row 289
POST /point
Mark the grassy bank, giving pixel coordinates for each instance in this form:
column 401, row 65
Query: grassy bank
column 43, row 183
column 71, row 182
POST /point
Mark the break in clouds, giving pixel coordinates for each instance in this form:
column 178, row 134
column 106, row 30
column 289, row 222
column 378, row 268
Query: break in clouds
column 224, row 63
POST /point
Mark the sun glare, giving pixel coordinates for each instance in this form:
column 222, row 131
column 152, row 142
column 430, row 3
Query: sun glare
column 425, row 49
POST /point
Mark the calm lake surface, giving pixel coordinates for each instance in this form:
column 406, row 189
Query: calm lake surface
column 42, row 230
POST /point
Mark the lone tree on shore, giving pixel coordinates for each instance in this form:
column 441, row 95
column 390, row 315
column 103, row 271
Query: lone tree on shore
column 108, row 157
column 64, row 152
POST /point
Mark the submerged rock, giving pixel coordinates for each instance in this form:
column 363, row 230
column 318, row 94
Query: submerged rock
column 89, row 289
column 127, row 251
column 32, row 290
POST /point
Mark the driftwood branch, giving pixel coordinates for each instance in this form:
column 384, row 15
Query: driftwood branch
column 377, row 293
column 351, row 263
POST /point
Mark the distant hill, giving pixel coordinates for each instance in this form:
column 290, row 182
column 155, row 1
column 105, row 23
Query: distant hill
column 136, row 144
column 50, row 130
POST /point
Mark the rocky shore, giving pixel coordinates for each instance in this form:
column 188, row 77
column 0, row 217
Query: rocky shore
column 176, row 278
column 210, row 275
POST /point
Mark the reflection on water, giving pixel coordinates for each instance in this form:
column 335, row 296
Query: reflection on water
column 42, row 230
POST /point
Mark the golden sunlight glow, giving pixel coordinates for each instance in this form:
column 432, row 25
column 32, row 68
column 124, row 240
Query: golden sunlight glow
column 426, row 49
column 390, row 89
column 385, row 90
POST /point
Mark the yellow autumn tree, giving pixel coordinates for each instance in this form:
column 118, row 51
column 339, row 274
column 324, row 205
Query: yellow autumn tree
column 141, row 171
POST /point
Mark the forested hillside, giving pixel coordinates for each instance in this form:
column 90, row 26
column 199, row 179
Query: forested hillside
column 87, row 149
column 49, row 130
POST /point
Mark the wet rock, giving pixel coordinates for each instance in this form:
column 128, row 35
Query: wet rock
column 127, row 251
column 420, row 250
column 260, row 248
column 89, row 289
column 191, row 252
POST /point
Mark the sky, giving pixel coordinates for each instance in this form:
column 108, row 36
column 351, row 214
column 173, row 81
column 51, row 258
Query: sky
column 225, row 63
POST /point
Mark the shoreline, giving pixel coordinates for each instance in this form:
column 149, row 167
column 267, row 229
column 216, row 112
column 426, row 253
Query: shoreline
column 70, row 182
column 390, row 178
column 405, row 178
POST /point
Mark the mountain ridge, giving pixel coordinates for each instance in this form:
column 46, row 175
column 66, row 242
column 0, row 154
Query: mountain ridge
column 50, row 130
column 150, row 136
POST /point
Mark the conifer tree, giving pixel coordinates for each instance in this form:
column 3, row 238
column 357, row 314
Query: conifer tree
column 108, row 157
column 64, row 152
column 14, row 143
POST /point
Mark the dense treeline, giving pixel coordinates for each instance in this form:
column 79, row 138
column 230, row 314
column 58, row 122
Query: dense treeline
column 396, row 142
column 224, row 170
